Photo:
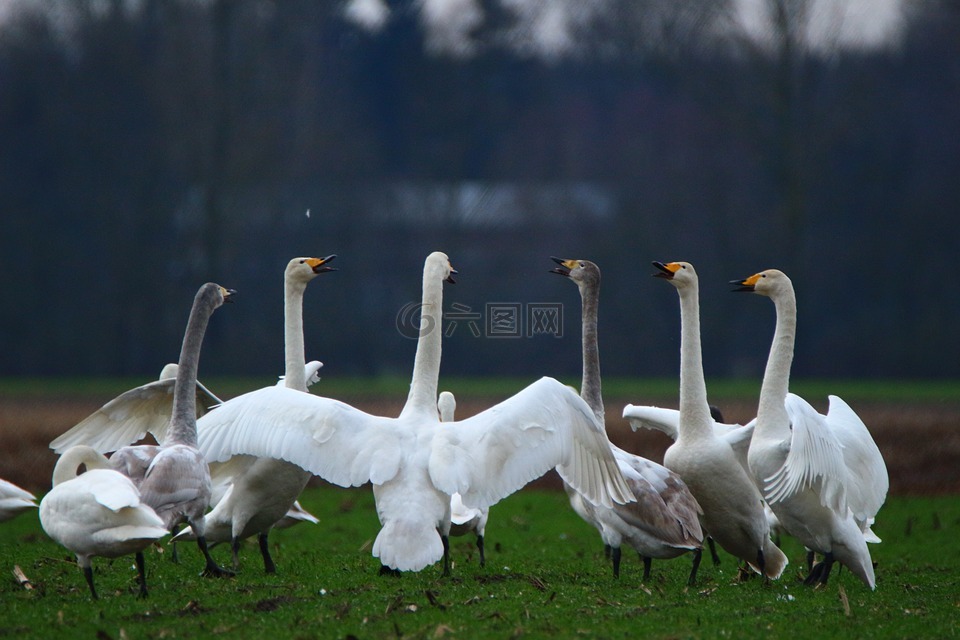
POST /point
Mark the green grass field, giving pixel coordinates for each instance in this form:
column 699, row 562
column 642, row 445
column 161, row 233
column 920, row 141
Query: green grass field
column 545, row 577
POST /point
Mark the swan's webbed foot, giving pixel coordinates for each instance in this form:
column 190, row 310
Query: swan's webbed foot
column 268, row 565
column 212, row 569
column 389, row 571
column 820, row 572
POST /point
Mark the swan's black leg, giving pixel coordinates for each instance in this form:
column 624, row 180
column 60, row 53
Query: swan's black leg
column 141, row 573
column 606, row 551
column 446, row 555
column 821, row 571
column 697, row 556
column 268, row 565
column 212, row 569
column 483, row 560
column 713, row 551
column 810, row 558
column 88, row 574
column 235, row 552
column 387, row 571
column 647, row 562
column 615, row 554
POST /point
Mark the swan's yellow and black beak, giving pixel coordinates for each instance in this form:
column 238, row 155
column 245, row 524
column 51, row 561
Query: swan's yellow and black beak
column 566, row 266
column 227, row 294
column 666, row 270
column 747, row 284
column 319, row 265
column 450, row 278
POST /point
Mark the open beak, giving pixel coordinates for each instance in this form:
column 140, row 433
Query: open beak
column 666, row 271
column 450, row 278
column 747, row 284
column 228, row 294
column 564, row 266
column 321, row 266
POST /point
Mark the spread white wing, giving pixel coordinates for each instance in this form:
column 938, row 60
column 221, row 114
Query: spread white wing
column 546, row 425
column 869, row 484
column 326, row 437
column 129, row 417
column 815, row 459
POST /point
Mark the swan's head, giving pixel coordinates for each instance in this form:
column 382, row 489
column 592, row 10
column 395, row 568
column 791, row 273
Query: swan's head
column 447, row 405
column 306, row 269
column 680, row 274
column 169, row 371
column 583, row 272
column 215, row 294
column 438, row 265
column 766, row 283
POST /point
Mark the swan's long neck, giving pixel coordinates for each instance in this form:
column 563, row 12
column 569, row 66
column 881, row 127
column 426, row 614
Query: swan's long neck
column 590, row 381
column 426, row 364
column 183, row 422
column 776, row 378
column 68, row 464
column 294, row 376
column 694, row 411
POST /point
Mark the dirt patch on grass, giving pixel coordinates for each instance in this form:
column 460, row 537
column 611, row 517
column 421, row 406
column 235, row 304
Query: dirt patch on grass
column 919, row 441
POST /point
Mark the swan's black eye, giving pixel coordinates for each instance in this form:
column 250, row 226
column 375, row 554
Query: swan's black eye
column 302, row 261
column 683, row 266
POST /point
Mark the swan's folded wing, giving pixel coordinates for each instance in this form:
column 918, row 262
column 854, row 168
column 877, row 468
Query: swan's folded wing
column 868, row 491
column 12, row 491
column 815, row 459
column 546, row 425
column 329, row 438
column 111, row 489
column 129, row 417
column 658, row 418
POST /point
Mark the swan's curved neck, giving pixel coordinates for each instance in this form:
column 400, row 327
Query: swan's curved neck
column 776, row 378
column 68, row 464
column 590, row 388
column 426, row 363
column 694, row 409
column 294, row 376
column 183, row 422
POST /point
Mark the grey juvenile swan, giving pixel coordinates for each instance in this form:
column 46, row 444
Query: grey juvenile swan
column 664, row 521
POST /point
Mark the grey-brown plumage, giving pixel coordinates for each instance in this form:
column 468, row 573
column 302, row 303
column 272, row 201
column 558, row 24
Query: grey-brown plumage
column 664, row 520
column 177, row 482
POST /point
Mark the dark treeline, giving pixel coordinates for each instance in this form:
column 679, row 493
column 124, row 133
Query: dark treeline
column 148, row 147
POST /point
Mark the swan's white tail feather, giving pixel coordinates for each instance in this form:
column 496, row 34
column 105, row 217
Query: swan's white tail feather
column 407, row 545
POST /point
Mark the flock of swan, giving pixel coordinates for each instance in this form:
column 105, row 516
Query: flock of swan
column 230, row 470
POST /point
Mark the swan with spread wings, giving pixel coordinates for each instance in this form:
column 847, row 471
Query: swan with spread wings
column 415, row 462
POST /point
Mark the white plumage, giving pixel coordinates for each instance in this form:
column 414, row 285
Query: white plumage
column 98, row 513
column 823, row 476
column 14, row 500
column 414, row 462
column 732, row 506
column 463, row 519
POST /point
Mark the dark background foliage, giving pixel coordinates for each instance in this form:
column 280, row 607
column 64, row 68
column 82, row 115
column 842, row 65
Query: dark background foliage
column 148, row 147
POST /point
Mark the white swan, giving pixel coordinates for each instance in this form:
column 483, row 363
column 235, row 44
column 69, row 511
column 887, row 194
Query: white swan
column 98, row 513
column 259, row 491
column 732, row 506
column 14, row 500
column 664, row 521
column 177, row 481
column 823, row 476
column 414, row 463
column 463, row 519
